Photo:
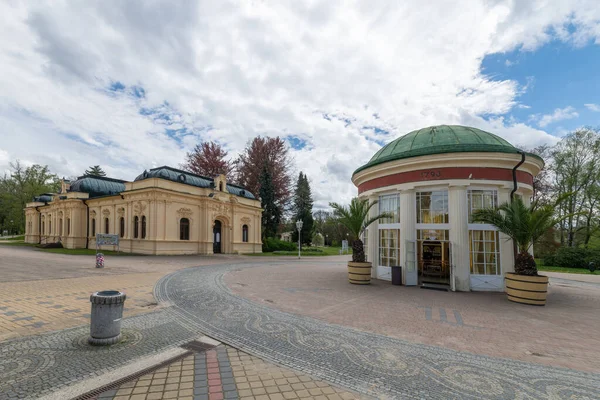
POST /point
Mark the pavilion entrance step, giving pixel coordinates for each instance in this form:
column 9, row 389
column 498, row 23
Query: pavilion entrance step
column 435, row 286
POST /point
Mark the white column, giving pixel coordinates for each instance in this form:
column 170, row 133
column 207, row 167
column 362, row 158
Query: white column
column 408, row 221
column 459, row 236
column 373, row 239
column 507, row 255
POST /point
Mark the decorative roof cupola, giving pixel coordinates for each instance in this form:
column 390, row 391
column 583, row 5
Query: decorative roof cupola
column 221, row 184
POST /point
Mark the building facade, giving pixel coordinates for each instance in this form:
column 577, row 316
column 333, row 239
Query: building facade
column 163, row 211
column 431, row 181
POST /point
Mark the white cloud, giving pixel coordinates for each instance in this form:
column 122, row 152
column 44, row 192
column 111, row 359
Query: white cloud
column 593, row 107
column 228, row 71
column 559, row 114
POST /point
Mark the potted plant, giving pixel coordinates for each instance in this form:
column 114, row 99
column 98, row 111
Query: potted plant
column 525, row 226
column 356, row 218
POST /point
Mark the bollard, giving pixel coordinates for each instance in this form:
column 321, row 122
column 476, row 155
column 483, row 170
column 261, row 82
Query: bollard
column 99, row 260
column 107, row 312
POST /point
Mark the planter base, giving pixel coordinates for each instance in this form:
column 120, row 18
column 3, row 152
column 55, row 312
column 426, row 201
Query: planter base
column 359, row 273
column 524, row 289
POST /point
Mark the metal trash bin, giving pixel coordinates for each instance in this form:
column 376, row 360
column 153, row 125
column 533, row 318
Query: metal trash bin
column 396, row 275
column 107, row 312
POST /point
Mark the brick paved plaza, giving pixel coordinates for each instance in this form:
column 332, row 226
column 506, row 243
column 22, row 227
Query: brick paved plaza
column 283, row 319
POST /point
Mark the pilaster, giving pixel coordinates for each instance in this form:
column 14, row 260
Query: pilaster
column 507, row 255
column 373, row 238
column 459, row 236
column 408, row 222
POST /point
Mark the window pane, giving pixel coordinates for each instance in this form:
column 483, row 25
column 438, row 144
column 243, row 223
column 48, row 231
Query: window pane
column 389, row 247
column 484, row 252
column 480, row 199
column 390, row 204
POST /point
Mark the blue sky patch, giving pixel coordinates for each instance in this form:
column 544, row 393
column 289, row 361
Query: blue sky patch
column 555, row 76
column 296, row 142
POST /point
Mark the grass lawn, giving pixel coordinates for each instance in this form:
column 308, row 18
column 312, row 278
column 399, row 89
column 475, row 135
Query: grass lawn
column 68, row 251
column 86, row 252
column 17, row 243
column 567, row 270
column 21, row 238
column 324, row 251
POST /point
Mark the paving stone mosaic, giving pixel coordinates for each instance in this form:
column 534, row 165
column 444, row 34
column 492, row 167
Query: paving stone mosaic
column 199, row 301
column 229, row 374
column 42, row 364
column 366, row 362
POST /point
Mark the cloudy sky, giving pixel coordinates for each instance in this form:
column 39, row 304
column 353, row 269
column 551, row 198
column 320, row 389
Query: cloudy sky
column 131, row 85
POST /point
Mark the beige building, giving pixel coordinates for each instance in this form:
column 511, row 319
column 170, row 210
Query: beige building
column 431, row 180
column 163, row 211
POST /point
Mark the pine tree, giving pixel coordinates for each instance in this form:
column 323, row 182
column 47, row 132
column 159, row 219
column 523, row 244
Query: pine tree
column 271, row 216
column 95, row 170
column 303, row 204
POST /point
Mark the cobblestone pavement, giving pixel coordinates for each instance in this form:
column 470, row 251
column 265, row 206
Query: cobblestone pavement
column 53, row 291
column 33, row 366
column 198, row 300
column 366, row 362
column 476, row 322
column 225, row 373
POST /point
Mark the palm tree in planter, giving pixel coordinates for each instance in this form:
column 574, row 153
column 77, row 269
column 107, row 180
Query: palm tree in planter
column 356, row 219
column 525, row 226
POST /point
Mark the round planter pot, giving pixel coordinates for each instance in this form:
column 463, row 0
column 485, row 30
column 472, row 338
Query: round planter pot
column 359, row 273
column 526, row 289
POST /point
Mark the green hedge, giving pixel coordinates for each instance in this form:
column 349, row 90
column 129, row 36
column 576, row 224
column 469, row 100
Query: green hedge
column 573, row 257
column 273, row 244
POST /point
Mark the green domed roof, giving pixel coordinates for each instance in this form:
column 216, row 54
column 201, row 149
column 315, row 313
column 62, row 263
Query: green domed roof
column 97, row 186
column 438, row 140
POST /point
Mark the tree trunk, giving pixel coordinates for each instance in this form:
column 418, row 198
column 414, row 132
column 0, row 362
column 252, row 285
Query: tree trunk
column 358, row 251
column 525, row 264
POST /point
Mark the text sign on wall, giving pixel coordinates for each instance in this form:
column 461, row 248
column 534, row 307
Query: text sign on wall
column 106, row 239
column 433, row 174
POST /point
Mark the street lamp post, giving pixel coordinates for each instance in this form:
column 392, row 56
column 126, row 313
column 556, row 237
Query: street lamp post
column 299, row 226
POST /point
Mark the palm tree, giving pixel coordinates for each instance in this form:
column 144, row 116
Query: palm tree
column 524, row 225
column 356, row 219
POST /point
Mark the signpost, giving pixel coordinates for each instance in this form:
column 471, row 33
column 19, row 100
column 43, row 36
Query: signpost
column 344, row 246
column 104, row 239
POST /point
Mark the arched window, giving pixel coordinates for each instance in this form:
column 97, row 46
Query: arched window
column 50, row 227
column 94, row 227
column 143, row 227
column 136, row 227
column 184, row 229
column 68, row 226
column 106, row 225
column 122, row 227
column 43, row 227
column 60, row 227
column 245, row 233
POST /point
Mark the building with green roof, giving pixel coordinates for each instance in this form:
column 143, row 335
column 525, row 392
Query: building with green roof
column 431, row 180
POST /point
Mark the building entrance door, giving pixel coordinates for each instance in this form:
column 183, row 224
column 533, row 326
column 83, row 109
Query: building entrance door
column 434, row 262
column 217, row 237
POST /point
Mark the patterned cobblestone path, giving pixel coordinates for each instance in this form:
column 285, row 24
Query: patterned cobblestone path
column 198, row 301
column 365, row 362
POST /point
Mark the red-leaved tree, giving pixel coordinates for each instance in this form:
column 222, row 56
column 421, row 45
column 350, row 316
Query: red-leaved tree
column 274, row 153
column 208, row 159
